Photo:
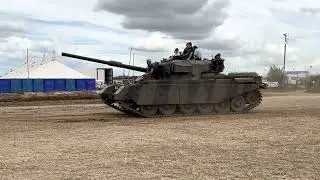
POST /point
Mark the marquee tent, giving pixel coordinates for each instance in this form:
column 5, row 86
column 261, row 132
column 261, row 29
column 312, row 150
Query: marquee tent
column 45, row 77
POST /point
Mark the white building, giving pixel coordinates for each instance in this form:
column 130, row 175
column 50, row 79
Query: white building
column 294, row 77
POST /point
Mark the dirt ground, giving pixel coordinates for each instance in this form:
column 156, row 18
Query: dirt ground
column 280, row 139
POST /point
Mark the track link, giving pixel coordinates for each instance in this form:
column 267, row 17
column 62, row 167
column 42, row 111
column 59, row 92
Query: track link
column 128, row 110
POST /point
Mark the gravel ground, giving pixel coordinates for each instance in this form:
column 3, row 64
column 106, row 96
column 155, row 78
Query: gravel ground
column 280, row 139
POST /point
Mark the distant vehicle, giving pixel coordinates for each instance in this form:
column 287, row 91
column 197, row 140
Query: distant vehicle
column 271, row 84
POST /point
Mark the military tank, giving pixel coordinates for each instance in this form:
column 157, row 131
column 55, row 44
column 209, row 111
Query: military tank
column 175, row 87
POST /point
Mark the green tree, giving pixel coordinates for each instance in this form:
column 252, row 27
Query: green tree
column 275, row 74
column 314, row 81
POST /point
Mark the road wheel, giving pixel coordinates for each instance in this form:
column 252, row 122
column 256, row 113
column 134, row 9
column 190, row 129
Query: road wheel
column 188, row 108
column 167, row 109
column 148, row 110
column 238, row 104
column 222, row 107
column 205, row 108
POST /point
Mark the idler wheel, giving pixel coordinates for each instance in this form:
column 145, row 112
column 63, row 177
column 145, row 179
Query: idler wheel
column 238, row 104
column 205, row 108
column 188, row 108
column 167, row 109
column 253, row 97
column 148, row 110
column 222, row 107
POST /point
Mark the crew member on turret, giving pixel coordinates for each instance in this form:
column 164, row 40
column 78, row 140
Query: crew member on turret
column 197, row 53
column 176, row 55
column 176, row 52
column 188, row 51
column 217, row 56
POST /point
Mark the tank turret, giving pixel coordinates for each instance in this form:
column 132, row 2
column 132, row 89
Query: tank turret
column 187, row 69
column 167, row 68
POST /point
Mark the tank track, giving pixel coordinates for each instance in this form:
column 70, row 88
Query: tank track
column 128, row 110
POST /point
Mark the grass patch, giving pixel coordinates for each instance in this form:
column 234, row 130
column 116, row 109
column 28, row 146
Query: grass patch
column 48, row 96
column 313, row 90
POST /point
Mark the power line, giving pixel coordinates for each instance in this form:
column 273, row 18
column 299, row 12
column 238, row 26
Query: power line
column 30, row 61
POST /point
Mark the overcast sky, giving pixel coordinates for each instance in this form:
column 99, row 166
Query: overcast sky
column 248, row 33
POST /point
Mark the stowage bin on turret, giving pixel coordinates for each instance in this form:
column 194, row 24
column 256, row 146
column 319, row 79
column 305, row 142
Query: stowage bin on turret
column 183, row 87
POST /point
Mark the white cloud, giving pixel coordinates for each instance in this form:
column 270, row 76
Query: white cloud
column 252, row 33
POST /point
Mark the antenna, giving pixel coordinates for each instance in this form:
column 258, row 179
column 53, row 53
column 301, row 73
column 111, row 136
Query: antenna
column 284, row 56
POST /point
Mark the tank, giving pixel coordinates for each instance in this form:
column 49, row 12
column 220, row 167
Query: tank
column 175, row 87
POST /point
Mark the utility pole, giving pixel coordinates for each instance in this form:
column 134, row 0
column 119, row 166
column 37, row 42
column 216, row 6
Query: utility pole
column 130, row 59
column 284, row 57
column 133, row 62
column 53, row 55
column 28, row 63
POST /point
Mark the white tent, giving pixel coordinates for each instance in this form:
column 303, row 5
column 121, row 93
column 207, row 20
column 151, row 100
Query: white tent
column 46, row 70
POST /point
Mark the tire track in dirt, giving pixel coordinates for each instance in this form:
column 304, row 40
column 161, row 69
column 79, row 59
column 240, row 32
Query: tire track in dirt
column 280, row 139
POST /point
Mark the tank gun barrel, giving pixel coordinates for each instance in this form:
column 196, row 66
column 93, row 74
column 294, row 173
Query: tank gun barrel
column 110, row 63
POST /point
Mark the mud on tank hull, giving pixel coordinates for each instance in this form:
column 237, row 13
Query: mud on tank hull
column 157, row 98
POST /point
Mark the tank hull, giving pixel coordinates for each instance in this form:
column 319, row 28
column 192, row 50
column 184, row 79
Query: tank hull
column 157, row 98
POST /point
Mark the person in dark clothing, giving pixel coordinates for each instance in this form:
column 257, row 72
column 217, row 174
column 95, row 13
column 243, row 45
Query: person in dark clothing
column 188, row 46
column 188, row 51
column 217, row 56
